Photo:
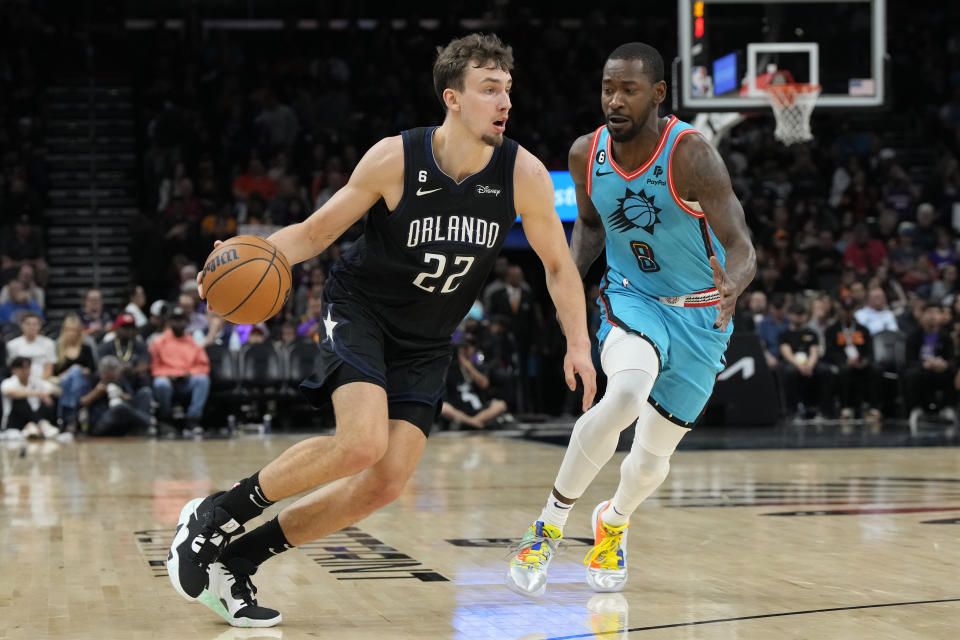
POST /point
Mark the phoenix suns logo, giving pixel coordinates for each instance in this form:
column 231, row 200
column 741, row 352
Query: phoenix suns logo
column 635, row 211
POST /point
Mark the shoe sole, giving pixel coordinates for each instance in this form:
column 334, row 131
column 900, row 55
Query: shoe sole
column 212, row 602
column 173, row 558
column 596, row 588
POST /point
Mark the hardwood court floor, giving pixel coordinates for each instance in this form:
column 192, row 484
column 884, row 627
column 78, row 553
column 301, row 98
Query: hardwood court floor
column 753, row 545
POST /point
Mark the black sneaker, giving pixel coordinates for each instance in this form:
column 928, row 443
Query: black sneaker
column 202, row 533
column 231, row 595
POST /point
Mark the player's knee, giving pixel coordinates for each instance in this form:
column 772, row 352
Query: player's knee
column 360, row 449
column 624, row 404
column 385, row 490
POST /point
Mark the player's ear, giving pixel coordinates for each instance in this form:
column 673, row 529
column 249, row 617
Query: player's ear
column 452, row 99
column 660, row 92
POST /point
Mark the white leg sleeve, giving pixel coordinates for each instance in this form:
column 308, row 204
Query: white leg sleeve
column 597, row 432
column 646, row 466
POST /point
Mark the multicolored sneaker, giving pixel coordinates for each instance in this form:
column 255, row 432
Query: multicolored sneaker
column 527, row 573
column 607, row 560
column 231, row 595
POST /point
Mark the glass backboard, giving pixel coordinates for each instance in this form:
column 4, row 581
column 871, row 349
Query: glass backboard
column 731, row 49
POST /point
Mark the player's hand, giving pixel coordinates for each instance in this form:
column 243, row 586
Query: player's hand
column 216, row 244
column 728, row 295
column 578, row 361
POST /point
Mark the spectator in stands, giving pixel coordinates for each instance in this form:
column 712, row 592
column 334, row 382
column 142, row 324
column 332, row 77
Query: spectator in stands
column 928, row 379
column 806, row 381
column 28, row 403
column 876, row 316
column 170, row 186
column 943, row 252
column 18, row 305
column 254, row 180
column 29, row 284
column 944, row 287
column 310, row 326
column 278, row 123
column 288, row 336
column 825, row 261
column 156, row 323
column 23, row 246
column 312, row 287
column 467, row 383
column 130, row 350
column 40, row 350
column 179, row 365
column 516, row 303
column 925, row 233
column 74, row 368
column 850, row 350
column 502, row 360
column 821, row 317
column 217, row 331
column 864, row 253
column 770, row 328
column 498, row 280
column 136, row 303
column 905, row 253
column 96, row 320
column 115, row 406
column 196, row 319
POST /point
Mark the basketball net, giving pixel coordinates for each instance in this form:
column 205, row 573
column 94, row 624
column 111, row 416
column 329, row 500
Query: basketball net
column 793, row 105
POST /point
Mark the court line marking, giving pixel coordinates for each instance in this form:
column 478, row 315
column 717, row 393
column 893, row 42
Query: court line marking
column 756, row 617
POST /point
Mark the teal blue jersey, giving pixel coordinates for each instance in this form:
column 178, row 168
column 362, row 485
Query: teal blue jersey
column 658, row 244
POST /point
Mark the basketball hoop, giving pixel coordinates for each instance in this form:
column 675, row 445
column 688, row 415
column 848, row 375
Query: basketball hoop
column 793, row 105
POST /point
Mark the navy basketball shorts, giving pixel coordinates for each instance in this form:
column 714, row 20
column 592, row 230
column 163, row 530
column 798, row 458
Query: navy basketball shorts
column 358, row 347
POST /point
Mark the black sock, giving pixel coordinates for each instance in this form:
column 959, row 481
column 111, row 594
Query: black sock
column 245, row 500
column 255, row 547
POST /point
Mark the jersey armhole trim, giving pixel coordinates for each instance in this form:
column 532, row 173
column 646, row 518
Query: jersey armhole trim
column 407, row 141
column 673, row 189
column 593, row 154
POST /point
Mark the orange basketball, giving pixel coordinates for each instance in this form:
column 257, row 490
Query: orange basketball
column 246, row 280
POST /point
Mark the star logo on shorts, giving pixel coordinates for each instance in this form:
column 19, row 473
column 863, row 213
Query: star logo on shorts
column 328, row 325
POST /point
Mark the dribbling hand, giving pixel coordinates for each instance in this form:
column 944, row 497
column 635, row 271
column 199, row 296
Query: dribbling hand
column 216, row 244
column 728, row 295
column 579, row 362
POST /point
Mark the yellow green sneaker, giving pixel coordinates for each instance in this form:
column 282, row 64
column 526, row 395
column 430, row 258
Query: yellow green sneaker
column 527, row 573
column 607, row 560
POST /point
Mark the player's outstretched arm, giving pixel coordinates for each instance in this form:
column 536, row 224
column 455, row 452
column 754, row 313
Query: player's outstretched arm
column 700, row 175
column 379, row 170
column 534, row 198
column 588, row 237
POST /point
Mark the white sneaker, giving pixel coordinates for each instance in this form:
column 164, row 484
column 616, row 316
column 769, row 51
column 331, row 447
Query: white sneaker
column 948, row 414
column 31, row 430
column 230, row 594
column 13, row 435
column 607, row 560
column 47, row 429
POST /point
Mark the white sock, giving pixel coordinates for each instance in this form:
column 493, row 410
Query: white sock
column 555, row 512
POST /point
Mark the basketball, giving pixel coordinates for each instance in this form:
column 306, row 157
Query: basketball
column 246, row 280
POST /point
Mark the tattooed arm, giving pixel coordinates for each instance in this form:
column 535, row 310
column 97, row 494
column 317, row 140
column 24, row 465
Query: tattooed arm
column 586, row 241
column 700, row 175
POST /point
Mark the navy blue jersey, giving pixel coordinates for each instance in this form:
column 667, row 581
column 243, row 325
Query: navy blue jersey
column 421, row 266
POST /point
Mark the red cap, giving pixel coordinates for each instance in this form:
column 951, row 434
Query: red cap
column 124, row 320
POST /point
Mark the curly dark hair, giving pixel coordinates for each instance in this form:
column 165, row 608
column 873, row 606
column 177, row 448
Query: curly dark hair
column 478, row 49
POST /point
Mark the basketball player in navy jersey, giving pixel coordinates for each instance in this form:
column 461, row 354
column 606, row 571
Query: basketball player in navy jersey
column 440, row 202
column 656, row 194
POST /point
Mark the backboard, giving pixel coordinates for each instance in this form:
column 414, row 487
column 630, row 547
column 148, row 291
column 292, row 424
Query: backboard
column 731, row 49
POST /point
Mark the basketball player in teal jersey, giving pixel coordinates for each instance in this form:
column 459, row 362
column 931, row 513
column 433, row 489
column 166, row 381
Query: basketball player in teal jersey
column 678, row 254
column 438, row 203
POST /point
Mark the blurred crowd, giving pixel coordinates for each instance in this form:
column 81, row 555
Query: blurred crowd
column 855, row 298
